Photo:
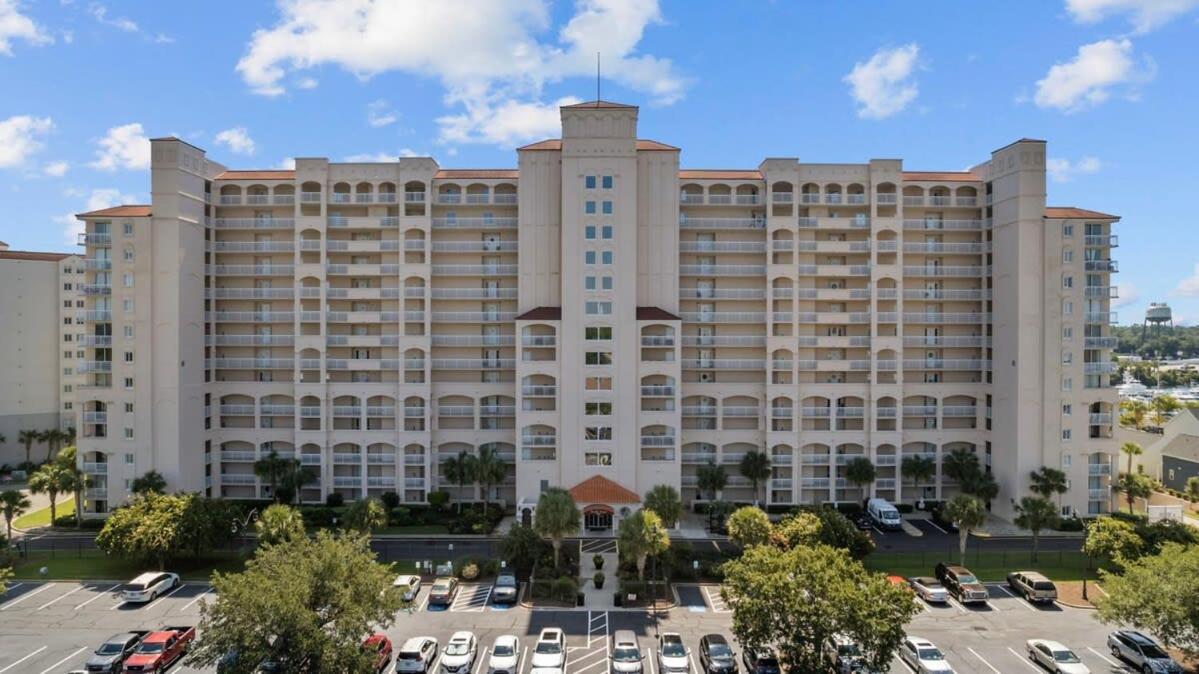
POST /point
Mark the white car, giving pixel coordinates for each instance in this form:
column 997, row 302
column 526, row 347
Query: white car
column 149, row 586
column 550, row 651
column 929, row 589
column 416, row 656
column 672, row 654
column 1055, row 657
column 923, row 656
column 458, row 656
column 505, row 655
column 409, row 585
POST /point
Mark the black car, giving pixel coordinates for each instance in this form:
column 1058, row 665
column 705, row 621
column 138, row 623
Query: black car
column 715, row 655
column 109, row 658
column 764, row 662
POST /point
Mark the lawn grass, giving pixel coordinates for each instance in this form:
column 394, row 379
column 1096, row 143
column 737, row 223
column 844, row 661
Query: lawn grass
column 41, row 518
column 988, row 566
column 95, row 565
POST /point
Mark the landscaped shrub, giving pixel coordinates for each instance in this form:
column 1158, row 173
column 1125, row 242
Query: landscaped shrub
column 317, row 516
column 469, row 572
column 390, row 500
column 438, row 499
column 905, row 508
column 335, row 500
column 1070, row 524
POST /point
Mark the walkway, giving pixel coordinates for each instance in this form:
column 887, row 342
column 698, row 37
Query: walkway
column 596, row 598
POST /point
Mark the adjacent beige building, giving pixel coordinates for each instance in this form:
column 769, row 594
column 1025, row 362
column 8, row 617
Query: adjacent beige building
column 602, row 320
column 40, row 295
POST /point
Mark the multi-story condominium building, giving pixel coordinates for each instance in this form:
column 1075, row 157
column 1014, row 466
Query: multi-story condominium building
column 42, row 293
column 600, row 320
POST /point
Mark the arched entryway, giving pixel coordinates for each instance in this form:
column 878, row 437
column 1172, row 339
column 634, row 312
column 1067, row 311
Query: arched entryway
column 597, row 517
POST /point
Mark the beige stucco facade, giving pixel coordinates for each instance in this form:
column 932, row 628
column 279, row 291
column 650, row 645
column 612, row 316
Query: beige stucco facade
column 599, row 311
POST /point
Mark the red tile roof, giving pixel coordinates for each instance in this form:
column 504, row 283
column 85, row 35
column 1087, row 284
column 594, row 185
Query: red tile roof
column 941, row 176
column 720, row 174
column 643, row 145
column 1071, row 212
column 655, row 314
column 541, row 314
column 599, row 489
column 477, row 173
column 257, row 174
column 124, row 211
column 33, row 256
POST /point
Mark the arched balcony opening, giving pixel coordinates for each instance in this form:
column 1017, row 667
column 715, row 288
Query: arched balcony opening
column 720, row 194
column 538, row 393
column 478, row 193
column 449, row 193
column 455, row 412
column 539, row 343
column 539, row 442
column 959, row 411
column 919, row 413
column 816, row 412
column 740, row 413
column 809, row 193
column 342, row 194
column 658, row 442
column 850, row 413
column 699, row 413
column 658, row 343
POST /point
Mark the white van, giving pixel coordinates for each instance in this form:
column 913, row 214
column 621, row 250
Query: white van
column 883, row 514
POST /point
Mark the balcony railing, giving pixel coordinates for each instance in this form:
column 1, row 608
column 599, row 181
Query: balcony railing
column 946, row 364
column 1098, row 368
column 687, row 222
column 1101, row 265
column 724, row 316
column 723, row 364
column 254, row 223
column 931, row 224
column 475, row 223
column 1100, row 342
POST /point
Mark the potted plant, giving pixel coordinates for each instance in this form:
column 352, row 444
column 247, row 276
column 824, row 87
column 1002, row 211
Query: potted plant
column 598, row 561
column 598, row 579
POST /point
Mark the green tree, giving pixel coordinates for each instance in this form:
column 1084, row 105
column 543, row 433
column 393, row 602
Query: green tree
column 366, row 515
column 801, row 528
column 960, row 465
column 967, row 513
column 279, row 523
column 54, row 438
column 52, row 479
column 521, row 547
column 67, row 457
column 796, row 599
column 205, row 523
column 664, row 500
column 982, row 485
column 555, row 518
column 295, row 476
column 749, row 526
column 755, row 467
column 461, row 471
column 860, row 473
column 1113, row 540
column 1133, row 413
column 837, row 531
column 148, row 529
column 1192, row 488
column 28, row 438
column 1134, row 486
column 1048, row 482
column 642, row 534
column 1036, row 513
column 13, row 504
column 1163, row 407
column 325, row 593
column 5, row 576
column 272, row 469
column 1158, row 594
column 920, row 469
column 1131, row 449
column 489, row 470
column 151, row 481
column 710, row 479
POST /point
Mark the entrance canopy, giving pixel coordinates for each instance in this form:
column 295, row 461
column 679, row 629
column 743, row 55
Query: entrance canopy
column 600, row 490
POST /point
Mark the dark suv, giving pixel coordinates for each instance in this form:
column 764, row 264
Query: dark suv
column 763, row 662
column 715, row 655
column 962, row 584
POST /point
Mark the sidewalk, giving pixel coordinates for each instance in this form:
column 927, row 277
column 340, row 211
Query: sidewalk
column 596, row 598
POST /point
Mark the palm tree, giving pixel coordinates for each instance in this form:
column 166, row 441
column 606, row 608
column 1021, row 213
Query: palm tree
column 27, row 438
column 1048, row 482
column 711, row 478
column 52, row 479
column 919, row 468
column 150, row 481
column 490, row 470
column 1036, row 513
column 366, row 515
column 664, row 501
column 54, row 439
column 755, row 467
column 1133, row 413
column 1134, row 486
column 295, row 476
column 13, row 504
column 967, row 513
column 641, row 535
column 272, row 468
column 461, row 471
column 556, row 517
column 959, row 464
column 278, row 524
column 860, row 473
column 1163, row 407
column 1192, row 488
column 67, row 458
column 1131, row 449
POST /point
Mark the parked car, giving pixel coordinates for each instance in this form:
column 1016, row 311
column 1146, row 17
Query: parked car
column 416, row 656
column 379, row 648
column 505, row 655
column 715, row 656
column 884, row 515
column 1137, row 649
column 761, row 662
column 443, row 591
column 626, row 653
column 159, row 650
column 231, row 661
column 149, row 586
column 929, row 589
column 550, row 650
column 1055, row 657
column 408, row 585
column 673, row 656
column 458, row 656
column 108, row 658
column 923, row 656
column 843, row 654
column 962, row 584
column 1032, row 586
column 505, row 589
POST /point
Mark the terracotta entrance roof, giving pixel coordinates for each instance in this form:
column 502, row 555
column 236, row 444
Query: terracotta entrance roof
column 125, row 211
column 1072, row 212
column 599, row 489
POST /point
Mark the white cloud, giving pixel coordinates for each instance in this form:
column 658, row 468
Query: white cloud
column 1128, row 294
column 508, row 123
column 1189, row 286
column 97, row 199
column 368, row 157
column 379, row 114
column 500, row 52
column 288, row 164
column 16, row 26
column 1089, row 78
column 20, row 137
column 307, row 83
column 100, row 13
column 56, row 169
column 125, row 147
column 237, row 140
column 883, row 86
column 1063, row 170
column 1144, row 15
column 409, row 152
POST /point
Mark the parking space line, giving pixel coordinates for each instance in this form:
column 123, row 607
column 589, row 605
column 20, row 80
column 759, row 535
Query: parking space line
column 200, row 596
column 479, row 660
column 54, row 666
column 1024, row 660
column 934, row 525
column 25, row 596
column 471, row 598
column 691, row 658
column 22, row 659
column 651, row 660
column 954, row 603
column 1106, row 659
column 1011, row 594
column 983, row 660
column 77, row 588
column 906, row 665
column 101, row 594
column 521, row 660
column 11, row 588
column 424, row 602
column 161, row 597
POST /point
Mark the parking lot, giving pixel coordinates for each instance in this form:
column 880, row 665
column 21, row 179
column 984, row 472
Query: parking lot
column 47, row 628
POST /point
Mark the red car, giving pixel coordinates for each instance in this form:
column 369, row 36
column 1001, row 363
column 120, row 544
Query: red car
column 162, row 649
column 379, row 646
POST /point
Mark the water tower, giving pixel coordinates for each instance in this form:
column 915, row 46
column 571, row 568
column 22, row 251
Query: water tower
column 1156, row 316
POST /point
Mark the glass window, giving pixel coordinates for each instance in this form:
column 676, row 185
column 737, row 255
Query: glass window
column 1067, row 255
column 598, row 308
column 598, row 333
column 589, row 282
column 597, row 409
column 597, row 358
column 589, row 257
column 607, row 182
column 1067, row 231
column 607, row 281
column 607, row 257
column 607, row 208
column 589, row 207
column 607, row 231
column 597, row 433
column 598, row 458
column 589, row 182
column 599, row 383
column 589, row 232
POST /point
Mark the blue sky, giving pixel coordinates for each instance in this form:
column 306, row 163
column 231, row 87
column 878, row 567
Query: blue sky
column 1111, row 84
